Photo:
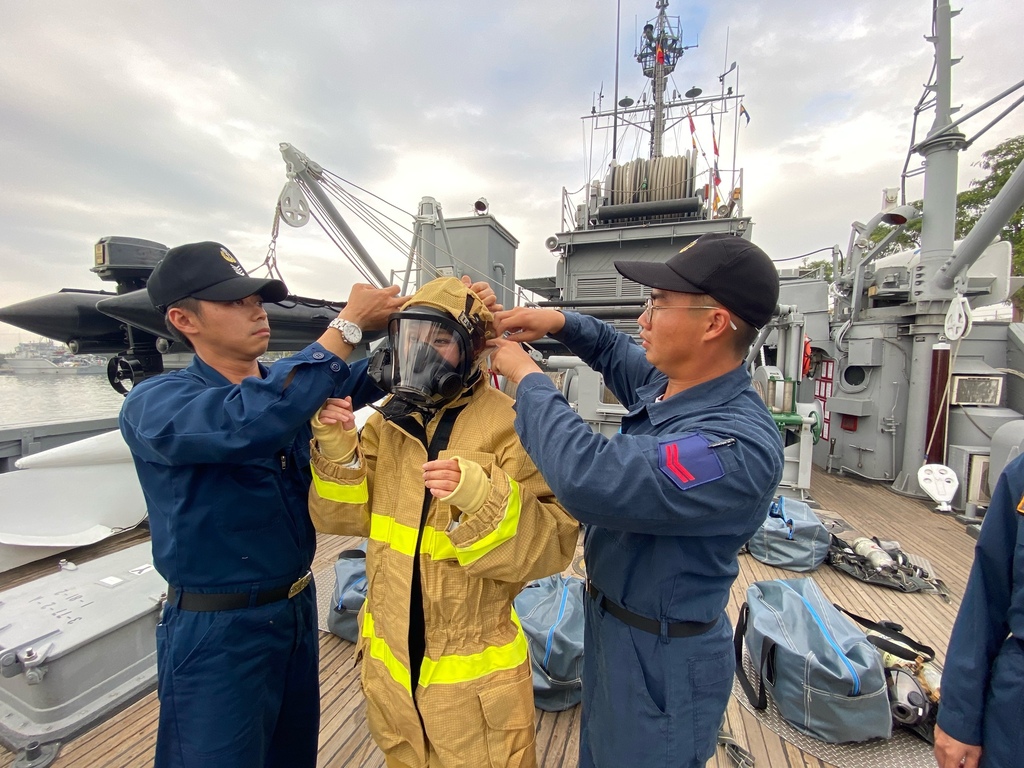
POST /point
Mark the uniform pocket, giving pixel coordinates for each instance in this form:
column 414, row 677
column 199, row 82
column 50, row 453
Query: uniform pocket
column 510, row 718
column 711, row 678
column 259, row 484
column 190, row 637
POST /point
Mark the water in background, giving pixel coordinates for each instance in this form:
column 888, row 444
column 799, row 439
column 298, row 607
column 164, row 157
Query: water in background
column 28, row 400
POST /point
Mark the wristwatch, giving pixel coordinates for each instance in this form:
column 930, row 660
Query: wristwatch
column 351, row 333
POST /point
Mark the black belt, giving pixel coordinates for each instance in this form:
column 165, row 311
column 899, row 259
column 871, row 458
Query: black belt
column 232, row 601
column 653, row 626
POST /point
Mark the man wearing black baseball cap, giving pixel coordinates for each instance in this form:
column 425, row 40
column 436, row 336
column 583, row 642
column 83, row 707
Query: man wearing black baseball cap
column 668, row 501
column 206, row 271
column 222, row 453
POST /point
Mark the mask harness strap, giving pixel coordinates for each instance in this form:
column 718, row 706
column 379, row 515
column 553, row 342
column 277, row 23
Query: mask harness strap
column 417, row 621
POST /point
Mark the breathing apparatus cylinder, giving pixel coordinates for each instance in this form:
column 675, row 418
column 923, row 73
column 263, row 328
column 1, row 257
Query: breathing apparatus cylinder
column 875, row 555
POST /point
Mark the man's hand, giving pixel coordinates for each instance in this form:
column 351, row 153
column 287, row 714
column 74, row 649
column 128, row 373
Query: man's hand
column 369, row 307
column 525, row 324
column 441, row 477
column 484, row 292
column 950, row 753
column 511, row 360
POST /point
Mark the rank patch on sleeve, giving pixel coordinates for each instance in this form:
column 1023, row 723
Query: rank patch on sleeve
column 1020, row 505
column 688, row 461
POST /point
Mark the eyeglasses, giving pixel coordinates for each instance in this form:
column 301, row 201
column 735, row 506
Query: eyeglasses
column 649, row 309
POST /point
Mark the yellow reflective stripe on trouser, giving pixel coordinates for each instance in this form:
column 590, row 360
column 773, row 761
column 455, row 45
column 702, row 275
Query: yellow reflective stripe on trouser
column 451, row 668
column 506, row 529
column 379, row 650
column 402, row 538
column 346, row 494
column 461, row 669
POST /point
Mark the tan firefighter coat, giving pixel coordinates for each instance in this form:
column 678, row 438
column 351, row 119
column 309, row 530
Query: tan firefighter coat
column 473, row 705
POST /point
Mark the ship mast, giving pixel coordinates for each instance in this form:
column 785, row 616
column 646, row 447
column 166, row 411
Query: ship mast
column 940, row 150
column 659, row 52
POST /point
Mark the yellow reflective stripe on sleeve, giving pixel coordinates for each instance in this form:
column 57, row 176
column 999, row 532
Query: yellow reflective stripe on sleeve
column 450, row 668
column 402, row 538
column 345, row 494
column 379, row 650
column 506, row 529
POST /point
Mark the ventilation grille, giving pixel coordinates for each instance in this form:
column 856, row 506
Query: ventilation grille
column 976, row 390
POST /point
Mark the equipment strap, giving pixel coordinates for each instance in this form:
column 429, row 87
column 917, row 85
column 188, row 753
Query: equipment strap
column 904, row 647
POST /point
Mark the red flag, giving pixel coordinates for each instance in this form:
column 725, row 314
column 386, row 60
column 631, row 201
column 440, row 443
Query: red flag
column 693, row 131
column 714, row 143
column 660, row 55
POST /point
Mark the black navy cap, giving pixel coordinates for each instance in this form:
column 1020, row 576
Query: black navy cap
column 731, row 270
column 207, row 271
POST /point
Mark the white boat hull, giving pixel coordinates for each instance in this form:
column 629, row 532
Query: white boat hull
column 68, row 497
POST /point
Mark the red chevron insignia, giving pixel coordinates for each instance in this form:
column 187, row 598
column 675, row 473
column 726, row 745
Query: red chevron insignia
column 672, row 463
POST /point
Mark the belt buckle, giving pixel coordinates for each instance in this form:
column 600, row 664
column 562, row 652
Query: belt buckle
column 300, row 584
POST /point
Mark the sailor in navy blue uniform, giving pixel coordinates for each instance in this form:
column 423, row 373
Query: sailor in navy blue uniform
column 981, row 714
column 222, row 453
column 667, row 502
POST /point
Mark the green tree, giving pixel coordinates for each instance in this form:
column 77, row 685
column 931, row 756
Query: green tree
column 810, row 267
column 998, row 163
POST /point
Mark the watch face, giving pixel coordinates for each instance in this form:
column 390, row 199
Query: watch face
column 351, row 333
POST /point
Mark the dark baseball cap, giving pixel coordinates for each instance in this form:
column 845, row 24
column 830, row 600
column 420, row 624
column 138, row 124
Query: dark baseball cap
column 731, row 270
column 207, row 271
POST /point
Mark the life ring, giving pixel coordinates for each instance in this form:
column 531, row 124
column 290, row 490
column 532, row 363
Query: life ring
column 807, row 356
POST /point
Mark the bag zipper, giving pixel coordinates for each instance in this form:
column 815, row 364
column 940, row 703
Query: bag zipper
column 832, row 642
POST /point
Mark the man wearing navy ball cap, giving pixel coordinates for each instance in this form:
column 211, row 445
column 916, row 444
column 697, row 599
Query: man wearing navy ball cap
column 668, row 501
column 222, row 453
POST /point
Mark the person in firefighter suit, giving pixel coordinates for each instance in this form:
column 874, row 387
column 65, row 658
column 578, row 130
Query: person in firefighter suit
column 980, row 715
column 667, row 502
column 458, row 520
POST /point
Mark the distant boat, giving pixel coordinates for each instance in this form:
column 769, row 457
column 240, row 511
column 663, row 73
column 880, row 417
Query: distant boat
column 39, row 366
column 47, row 359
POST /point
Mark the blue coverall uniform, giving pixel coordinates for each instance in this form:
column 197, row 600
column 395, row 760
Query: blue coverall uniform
column 667, row 505
column 225, row 472
column 983, row 678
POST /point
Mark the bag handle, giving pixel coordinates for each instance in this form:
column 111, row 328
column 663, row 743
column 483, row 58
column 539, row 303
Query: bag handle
column 758, row 700
column 777, row 510
column 885, row 643
column 351, row 554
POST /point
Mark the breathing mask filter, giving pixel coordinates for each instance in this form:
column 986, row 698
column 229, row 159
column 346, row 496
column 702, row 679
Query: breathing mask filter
column 432, row 347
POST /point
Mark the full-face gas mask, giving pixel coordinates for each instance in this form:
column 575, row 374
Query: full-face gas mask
column 428, row 358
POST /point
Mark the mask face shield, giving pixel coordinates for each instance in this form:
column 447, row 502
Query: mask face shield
column 908, row 701
column 431, row 360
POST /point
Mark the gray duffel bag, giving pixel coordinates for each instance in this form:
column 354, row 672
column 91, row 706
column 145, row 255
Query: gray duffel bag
column 551, row 612
column 824, row 676
column 791, row 537
column 349, row 593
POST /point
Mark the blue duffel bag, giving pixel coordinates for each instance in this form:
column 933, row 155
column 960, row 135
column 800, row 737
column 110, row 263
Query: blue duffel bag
column 792, row 537
column 823, row 674
column 551, row 612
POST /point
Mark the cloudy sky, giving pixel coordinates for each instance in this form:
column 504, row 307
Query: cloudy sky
column 162, row 120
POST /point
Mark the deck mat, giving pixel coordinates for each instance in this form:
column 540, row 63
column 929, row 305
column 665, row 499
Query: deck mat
column 323, row 577
column 832, row 523
column 903, row 749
